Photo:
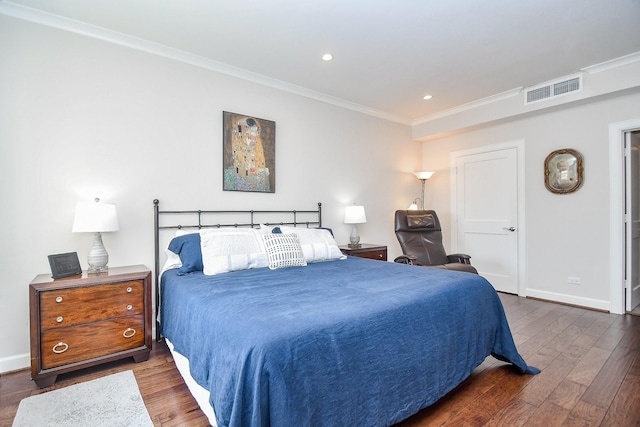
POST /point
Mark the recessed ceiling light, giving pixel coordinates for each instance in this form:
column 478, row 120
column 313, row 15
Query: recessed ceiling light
column 327, row 57
column 427, row 97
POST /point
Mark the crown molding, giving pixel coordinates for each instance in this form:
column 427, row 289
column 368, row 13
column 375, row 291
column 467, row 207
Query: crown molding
column 70, row 25
column 593, row 69
column 613, row 63
column 470, row 106
column 14, row 10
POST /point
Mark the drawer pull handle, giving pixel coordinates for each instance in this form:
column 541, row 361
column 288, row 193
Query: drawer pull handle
column 59, row 319
column 129, row 289
column 58, row 299
column 129, row 332
column 129, row 307
column 61, row 347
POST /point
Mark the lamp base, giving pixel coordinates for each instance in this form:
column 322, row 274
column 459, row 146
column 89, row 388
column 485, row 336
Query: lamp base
column 97, row 270
column 354, row 238
column 98, row 256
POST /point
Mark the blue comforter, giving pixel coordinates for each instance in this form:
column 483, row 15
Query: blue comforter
column 353, row 342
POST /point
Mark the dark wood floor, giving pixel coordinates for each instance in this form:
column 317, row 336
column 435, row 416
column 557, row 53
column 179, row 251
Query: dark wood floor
column 590, row 376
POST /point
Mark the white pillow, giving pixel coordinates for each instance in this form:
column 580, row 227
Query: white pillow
column 283, row 250
column 266, row 229
column 230, row 249
column 172, row 261
column 317, row 244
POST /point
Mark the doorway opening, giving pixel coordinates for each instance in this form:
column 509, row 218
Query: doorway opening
column 632, row 221
column 622, row 197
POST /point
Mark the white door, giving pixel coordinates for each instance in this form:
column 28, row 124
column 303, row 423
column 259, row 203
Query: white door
column 632, row 282
column 486, row 215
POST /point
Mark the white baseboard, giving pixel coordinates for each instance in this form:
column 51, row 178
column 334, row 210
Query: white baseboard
column 569, row 299
column 15, row 363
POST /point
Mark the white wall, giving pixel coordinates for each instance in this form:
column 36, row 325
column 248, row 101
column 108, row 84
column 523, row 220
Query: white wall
column 566, row 235
column 81, row 118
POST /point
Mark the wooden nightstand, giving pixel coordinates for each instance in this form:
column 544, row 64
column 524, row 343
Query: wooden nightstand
column 89, row 319
column 365, row 250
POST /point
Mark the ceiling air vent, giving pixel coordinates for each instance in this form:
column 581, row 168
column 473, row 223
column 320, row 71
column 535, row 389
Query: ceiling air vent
column 553, row 89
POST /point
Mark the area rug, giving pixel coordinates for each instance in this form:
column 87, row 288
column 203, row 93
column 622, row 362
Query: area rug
column 113, row 400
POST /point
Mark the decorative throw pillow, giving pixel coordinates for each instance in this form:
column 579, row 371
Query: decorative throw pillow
column 317, row 244
column 421, row 221
column 283, row 250
column 187, row 247
column 230, row 249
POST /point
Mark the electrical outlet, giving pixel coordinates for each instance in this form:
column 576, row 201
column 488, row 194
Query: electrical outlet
column 574, row 280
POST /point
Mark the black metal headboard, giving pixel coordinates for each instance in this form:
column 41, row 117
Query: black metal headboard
column 202, row 219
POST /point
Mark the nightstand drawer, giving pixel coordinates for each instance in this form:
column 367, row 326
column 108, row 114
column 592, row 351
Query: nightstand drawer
column 63, row 346
column 366, row 250
column 380, row 255
column 74, row 306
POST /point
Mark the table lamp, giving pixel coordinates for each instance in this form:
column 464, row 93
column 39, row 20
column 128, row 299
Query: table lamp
column 354, row 215
column 95, row 217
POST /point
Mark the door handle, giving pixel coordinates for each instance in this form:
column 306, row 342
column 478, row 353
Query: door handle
column 509, row 228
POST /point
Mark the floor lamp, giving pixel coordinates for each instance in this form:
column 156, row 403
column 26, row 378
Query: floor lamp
column 422, row 176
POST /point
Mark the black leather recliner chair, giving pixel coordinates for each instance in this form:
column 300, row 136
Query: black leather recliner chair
column 420, row 237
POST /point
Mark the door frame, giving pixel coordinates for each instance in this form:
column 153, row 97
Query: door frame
column 617, row 228
column 519, row 146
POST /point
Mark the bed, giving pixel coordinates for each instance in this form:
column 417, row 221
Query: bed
column 324, row 339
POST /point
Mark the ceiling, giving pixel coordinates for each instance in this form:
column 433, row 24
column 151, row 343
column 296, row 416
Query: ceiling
column 387, row 54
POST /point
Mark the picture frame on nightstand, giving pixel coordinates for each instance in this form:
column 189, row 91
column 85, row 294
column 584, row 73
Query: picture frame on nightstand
column 64, row 265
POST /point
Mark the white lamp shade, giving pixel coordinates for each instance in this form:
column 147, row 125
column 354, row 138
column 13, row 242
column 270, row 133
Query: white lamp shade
column 92, row 217
column 424, row 175
column 355, row 215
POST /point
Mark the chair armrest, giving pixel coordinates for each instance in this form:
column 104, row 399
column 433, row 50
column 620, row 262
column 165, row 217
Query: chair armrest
column 406, row 259
column 460, row 258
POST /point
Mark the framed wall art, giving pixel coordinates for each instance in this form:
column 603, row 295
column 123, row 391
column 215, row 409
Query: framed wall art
column 563, row 171
column 249, row 153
